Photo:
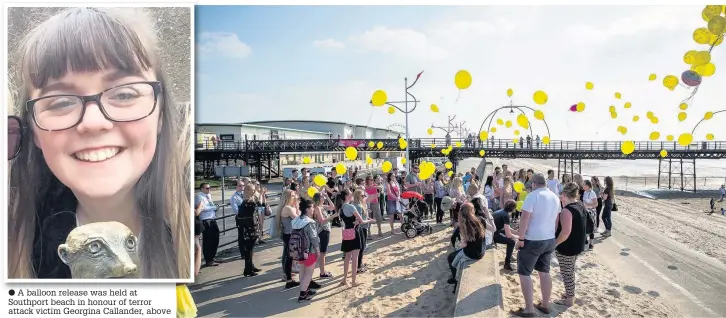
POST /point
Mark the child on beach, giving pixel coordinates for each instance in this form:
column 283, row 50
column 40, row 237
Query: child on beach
column 712, row 202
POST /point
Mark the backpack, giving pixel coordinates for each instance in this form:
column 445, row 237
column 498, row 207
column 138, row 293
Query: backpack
column 298, row 246
column 249, row 225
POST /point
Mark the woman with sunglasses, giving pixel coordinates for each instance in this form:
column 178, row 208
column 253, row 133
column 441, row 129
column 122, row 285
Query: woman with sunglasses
column 105, row 142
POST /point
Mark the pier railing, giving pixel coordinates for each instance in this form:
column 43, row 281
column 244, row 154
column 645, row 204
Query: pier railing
column 295, row 145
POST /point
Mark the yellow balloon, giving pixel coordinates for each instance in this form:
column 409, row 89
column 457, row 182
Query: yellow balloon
column 320, row 180
column 580, row 107
column 423, row 175
column 670, row 82
column 369, row 160
column 663, row 153
column 518, row 186
column 540, row 98
column 483, row 135
column 654, row 135
column 690, row 57
column 450, row 173
column 716, row 25
column 707, row 69
column 682, row 116
column 379, row 145
column 523, row 121
column 312, row 191
column 715, row 40
column 711, row 11
column 351, row 153
column 546, row 140
column 500, row 121
column 458, row 144
column 515, row 140
column 652, row 77
column 379, row 98
column 623, row 130
column 306, row 160
column 685, row 139
column 627, row 105
column 462, row 79
column 386, row 167
column 433, row 146
column 516, row 132
column 669, row 137
column 340, row 168
column 520, row 204
column 612, row 109
column 683, row 106
column 494, row 129
column 508, row 124
column 403, row 144
column 448, row 165
column 522, row 195
column 434, row 108
column 636, row 118
column 618, row 95
column 701, row 36
column 589, row 86
column 430, row 131
column 708, row 115
column 481, row 153
column 403, row 161
column 391, row 110
column 709, row 137
column 654, row 120
column 510, row 92
column 614, row 115
column 371, row 144
column 538, row 114
column 649, row 114
column 627, row 147
column 702, row 58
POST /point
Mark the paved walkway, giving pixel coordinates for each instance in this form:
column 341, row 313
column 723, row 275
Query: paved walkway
column 222, row 291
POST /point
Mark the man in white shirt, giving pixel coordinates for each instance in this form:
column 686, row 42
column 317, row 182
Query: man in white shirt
column 536, row 243
column 552, row 183
column 207, row 212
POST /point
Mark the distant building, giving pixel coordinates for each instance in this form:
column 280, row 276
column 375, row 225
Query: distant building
column 344, row 130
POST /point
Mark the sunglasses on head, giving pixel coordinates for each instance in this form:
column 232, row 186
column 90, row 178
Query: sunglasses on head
column 16, row 132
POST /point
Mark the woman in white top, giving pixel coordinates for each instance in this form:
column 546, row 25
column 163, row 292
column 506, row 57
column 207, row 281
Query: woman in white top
column 489, row 192
column 589, row 198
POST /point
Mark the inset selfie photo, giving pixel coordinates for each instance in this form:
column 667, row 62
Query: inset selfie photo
column 99, row 119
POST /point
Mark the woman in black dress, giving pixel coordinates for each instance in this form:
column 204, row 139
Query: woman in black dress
column 351, row 244
column 247, row 226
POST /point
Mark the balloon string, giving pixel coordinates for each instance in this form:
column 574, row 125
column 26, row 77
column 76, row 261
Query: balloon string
column 457, row 96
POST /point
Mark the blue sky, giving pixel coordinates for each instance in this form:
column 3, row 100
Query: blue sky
column 323, row 62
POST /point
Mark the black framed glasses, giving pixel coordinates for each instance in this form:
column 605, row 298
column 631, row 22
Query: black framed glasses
column 123, row 103
column 16, row 132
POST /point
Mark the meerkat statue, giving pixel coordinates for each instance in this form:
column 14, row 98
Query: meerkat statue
column 101, row 250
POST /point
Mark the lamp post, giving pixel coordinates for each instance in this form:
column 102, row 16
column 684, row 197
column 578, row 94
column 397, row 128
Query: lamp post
column 450, row 127
column 407, row 111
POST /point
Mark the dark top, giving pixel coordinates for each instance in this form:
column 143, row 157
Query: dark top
column 501, row 218
column 56, row 218
column 575, row 243
column 582, row 193
column 475, row 249
column 248, row 218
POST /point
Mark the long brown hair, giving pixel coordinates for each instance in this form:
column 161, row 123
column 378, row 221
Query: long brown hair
column 470, row 225
column 93, row 39
column 610, row 187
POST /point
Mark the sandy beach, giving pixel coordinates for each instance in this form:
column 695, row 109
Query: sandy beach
column 405, row 278
column 599, row 294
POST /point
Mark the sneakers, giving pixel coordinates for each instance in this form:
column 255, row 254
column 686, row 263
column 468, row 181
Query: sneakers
column 314, row 285
column 326, row 275
column 508, row 267
column 305, row 295
column 291, row 284
column 606, row 234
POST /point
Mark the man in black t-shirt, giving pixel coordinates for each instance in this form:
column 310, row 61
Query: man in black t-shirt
column 504, row 234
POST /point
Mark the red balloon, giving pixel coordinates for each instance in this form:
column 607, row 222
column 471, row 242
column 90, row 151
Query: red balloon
column 573, row 108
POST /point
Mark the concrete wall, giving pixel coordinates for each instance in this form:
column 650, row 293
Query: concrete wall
column 173, row 29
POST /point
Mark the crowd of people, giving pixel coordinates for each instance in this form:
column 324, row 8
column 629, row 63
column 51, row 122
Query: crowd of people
column 525, row 211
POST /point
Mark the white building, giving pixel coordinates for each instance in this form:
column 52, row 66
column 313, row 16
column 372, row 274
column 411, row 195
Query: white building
column 238, row 132
column 344, row 130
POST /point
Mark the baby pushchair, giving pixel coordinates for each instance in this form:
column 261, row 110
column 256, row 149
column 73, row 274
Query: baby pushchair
column 412, row 224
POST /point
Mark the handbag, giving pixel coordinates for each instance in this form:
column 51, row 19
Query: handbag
column 349, row 234
column 268, row 211
column 615, row 207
